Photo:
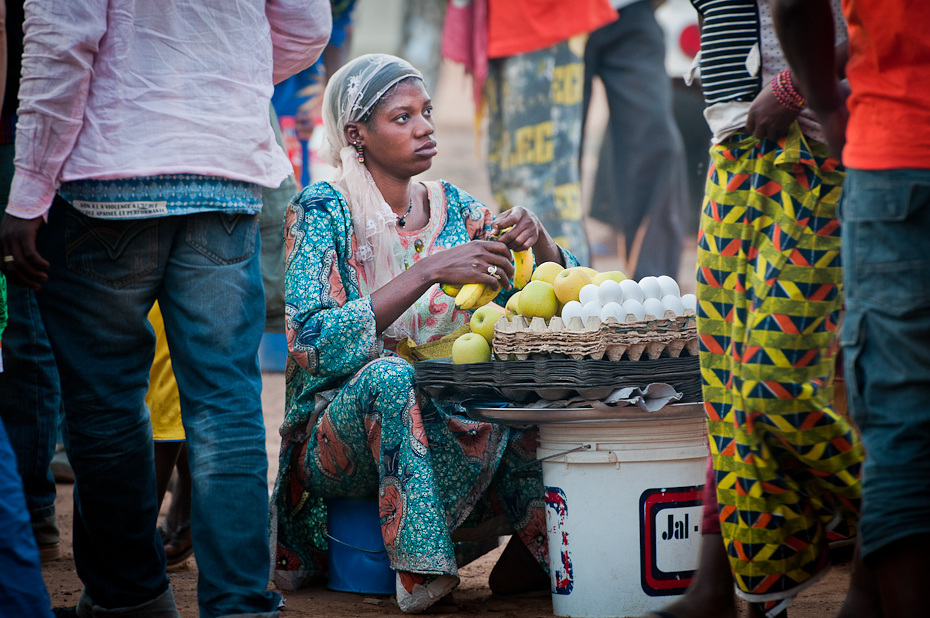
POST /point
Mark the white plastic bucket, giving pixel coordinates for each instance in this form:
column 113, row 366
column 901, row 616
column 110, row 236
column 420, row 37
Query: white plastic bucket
column 623, row 510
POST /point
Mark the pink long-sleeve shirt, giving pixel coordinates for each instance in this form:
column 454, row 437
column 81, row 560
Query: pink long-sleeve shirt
column 127, row 88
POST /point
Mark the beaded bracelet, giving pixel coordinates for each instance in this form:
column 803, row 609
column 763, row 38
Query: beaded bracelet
column 785, row 92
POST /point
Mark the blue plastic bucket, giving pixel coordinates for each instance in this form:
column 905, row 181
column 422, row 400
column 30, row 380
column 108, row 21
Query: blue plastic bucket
column 358, row 561
column 272, row 352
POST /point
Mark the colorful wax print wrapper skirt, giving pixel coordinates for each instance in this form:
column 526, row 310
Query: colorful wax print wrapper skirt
column 770, row 299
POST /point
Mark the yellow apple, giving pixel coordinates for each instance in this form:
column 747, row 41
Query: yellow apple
column 512, row 308
column 615, row 275
column 569, row 282
column 483, row 320
column 547, row 272
column 538, row 300
column 591, row 272
column 470, row 348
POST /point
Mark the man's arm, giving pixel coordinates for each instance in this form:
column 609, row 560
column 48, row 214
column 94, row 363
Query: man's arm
column 300, row 30
column 805, row 29
column 60, row 43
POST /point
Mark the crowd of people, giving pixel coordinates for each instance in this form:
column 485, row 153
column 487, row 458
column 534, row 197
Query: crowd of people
column 154, row 228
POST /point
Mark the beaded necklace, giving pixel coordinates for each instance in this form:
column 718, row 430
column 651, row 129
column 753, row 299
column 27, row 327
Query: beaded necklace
column 402, row 221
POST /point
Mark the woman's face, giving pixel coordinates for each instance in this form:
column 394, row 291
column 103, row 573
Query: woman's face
column 398, row 138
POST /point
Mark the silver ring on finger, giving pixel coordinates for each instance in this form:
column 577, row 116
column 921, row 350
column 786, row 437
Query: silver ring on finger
column 492, row 270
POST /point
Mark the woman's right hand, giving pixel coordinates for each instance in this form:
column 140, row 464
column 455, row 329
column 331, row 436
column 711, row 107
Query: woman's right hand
column 470, row 263
column 768, row 118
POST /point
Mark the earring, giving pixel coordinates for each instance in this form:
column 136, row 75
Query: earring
column 360, row 150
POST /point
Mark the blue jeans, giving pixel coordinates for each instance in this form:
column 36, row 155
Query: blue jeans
column 886, row 338
column 204, row 271
column 22, row 591
column 29, row 395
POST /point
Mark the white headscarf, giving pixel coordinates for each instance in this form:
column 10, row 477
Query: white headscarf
column 351, row 93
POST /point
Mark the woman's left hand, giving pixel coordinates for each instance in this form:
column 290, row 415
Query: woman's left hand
column 524, row 229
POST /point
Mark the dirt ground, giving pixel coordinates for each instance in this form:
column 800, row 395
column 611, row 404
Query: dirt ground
column 471, row 598
column 459, row 163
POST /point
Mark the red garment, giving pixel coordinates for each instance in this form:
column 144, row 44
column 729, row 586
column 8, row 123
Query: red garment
column 889, row 108
column 521, row 26
column 465, row 40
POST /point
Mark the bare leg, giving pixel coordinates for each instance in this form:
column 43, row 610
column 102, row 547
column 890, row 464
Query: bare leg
column 166, row 456
column 179, row 544
column 710, row 594
column 863, row 600
column 517, row 571
column 898, row 569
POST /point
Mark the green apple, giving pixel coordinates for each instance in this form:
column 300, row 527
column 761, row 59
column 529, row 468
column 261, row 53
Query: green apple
column 483, row 320
column 547, row 271
column 538, row 300
column 569, row 282
column 512, row 308
column 470, row 348
column 614, row 275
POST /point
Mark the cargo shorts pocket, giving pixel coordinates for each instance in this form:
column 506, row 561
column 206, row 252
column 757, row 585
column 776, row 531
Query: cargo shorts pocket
column 852, row 340
column 112, row 252
column 884, row 243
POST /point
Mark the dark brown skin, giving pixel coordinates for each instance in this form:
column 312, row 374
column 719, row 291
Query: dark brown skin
column 18, row 236
column 769, row 119
column 805, row 29
column 398, row 145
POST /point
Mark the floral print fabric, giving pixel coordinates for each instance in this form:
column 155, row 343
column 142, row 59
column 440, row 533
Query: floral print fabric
column 355, row 424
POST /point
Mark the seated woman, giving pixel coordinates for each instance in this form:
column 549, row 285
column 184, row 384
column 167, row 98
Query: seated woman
column 365, row 259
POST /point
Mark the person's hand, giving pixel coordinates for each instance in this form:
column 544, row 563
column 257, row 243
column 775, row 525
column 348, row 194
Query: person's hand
column 833, row 121
column 524, row 228
column 478, row 261
column 833, row 124
column 21, row 263
column 769, row 119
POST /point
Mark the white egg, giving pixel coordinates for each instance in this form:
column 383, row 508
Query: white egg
column 673, row 303
column 588, row 293
column 654, row 307
column 572, row 309
column 689, row 301
column 631, row 290
column 611, row 310
column 669, row 286
column 650, row 287
column 609, row 292
column 635, row 307
column 589, row 309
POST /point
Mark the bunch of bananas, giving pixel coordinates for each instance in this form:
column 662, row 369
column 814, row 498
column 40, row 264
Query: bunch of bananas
column 474, row 295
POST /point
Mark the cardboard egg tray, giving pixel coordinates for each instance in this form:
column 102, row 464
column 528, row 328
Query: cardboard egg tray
column 610, row 340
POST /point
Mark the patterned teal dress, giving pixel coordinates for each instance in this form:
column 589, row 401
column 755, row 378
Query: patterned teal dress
column 355, row 424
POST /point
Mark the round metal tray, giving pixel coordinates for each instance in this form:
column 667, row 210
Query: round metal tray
column 541, row 416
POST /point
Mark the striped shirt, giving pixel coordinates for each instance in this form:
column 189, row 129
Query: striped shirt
column 729, row 32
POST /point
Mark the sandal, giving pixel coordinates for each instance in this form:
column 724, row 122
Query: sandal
column 179, row 546
column 417, row 592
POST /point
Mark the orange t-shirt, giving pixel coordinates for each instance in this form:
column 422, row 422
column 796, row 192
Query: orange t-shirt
column 521, row 26
column 889, row 108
